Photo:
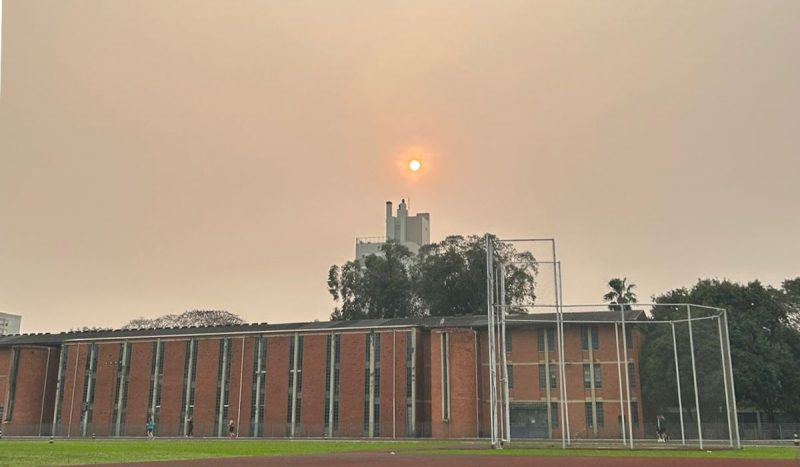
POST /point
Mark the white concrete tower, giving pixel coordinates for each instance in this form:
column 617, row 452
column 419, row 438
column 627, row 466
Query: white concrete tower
column 390, row 234
column 402, row 218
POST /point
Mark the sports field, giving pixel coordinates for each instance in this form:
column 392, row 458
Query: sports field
column 360, row 453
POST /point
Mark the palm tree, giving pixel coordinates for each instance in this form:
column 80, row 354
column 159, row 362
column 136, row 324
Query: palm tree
column 621, row 293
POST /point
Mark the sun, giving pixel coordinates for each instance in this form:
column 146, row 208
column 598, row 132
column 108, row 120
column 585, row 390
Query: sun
column 415, row 165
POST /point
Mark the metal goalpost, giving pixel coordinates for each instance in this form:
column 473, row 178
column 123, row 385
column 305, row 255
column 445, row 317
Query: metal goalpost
column 723, row 429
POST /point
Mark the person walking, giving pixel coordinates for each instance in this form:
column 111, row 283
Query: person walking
column 661, row 429
column 796, row 439
column 189, row 427
column 232, row 429
column 150, row 426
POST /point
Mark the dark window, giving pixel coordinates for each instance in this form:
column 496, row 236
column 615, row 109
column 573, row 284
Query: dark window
column 632, row 374
column 554, row 413
column 62, row 374
column 586, row 333
column 508, row 342
column 545, row 335
column 543, row 376
column 629, row 337
column 12, row 383
column 587, row 374
column 189, row 378
column 600, row 415
column 588, row 414
column 510, row 377
column 635, row 412
column 223, row 385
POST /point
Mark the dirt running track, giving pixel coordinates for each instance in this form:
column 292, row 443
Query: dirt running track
column 411, row 460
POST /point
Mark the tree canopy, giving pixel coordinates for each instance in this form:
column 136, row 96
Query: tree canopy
column 765, row 346
column 188, row 318
column 444, row 279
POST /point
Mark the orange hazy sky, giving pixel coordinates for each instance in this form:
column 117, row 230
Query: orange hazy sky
column 161, row 155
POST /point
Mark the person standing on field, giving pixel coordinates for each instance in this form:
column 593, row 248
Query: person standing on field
column 232, row 429
column 150, row 426
column 189, row 427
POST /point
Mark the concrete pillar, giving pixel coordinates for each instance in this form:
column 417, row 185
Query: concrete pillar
column 389, row 222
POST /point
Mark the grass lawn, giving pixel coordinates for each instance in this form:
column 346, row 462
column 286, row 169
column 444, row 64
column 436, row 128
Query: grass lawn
column 38, row 452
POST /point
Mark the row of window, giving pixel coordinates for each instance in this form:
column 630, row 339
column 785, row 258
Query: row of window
column 552, row 376
column 595, row 416
column 547, row 337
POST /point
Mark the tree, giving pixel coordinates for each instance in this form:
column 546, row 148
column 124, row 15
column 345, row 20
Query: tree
column 188, row 318
column 765, row 347
column 450, row 276
column 381, row 288
column 621, row 293
column 443, row 279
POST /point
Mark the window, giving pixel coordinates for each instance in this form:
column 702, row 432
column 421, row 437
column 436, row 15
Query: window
column 295, row 393
column 634, row 412
column 629, row 337
column 508, row 342
column 588, row 414
column 510, row 376
column 331, row 412
column 410, row 413
column 587, row 375
column 223, row 385
column 89, row 378
column 189, row 378
column 259, row 386
column 598, row 380
column 543, row 376
column 121, row 388
column 62, row 373
column 12, row 382
column 444, row 351
column 545, row 335
column 554, row 413
column 600, row 415
column 372, row 384
column 632, row 374
column 156, row 379
column 588, row 332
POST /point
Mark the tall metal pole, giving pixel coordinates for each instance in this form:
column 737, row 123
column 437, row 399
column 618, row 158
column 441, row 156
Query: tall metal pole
column 694, row 377
column 503, row 353
column 725, row 380
column 627, row 373
column 565, row 435
column 619, row 377
column 560, row 298
column 499, row 352
column 732, row 385
column 678, row 382
column 491, row 349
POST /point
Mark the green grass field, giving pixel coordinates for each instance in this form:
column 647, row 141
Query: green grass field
column 62, row 452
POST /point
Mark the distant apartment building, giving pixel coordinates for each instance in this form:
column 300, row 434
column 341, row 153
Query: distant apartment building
column 9, row 324
column 410, row 231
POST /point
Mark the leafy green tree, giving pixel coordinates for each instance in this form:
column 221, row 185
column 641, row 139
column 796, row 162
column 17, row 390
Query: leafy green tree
column 765, row 347
column 380, row 288
column 450, row 276
column 187, row 318
column 621, row 293
column 444, row 279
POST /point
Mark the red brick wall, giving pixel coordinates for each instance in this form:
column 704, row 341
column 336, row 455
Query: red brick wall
column 462, row 422
column 169, row 420
column 73, row 389
column 32, row 412
column 5, row 367
column 351, row 390
column 205, row 394
column 313, row 408
column 138, row 388
column 241, row 382
column 277, row 386
column 105, row 381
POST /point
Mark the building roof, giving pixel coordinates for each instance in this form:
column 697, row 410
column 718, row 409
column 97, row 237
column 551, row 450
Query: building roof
column 468, row 321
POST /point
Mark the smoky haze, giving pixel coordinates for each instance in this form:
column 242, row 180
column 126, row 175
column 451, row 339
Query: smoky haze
column 162, row 155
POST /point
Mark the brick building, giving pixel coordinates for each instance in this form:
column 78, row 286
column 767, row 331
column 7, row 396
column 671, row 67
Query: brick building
column 373, row 378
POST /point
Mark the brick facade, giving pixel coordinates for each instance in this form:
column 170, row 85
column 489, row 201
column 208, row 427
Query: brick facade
column 455, row 408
